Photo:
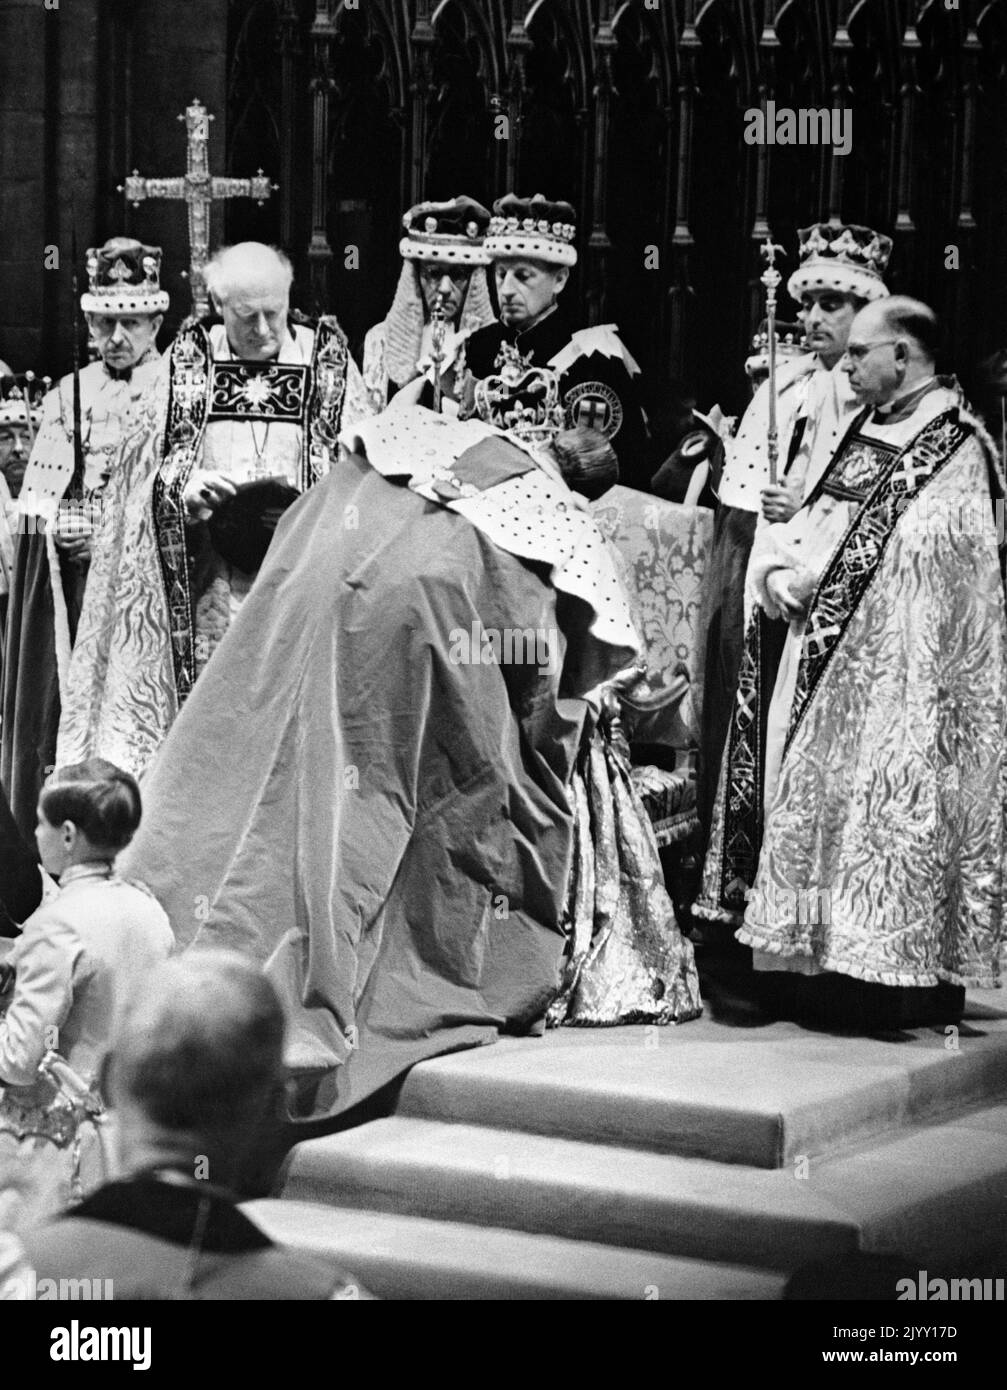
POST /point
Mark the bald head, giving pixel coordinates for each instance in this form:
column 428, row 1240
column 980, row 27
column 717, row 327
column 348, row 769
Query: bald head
column 892, row 347
column 910, row 318
column 250, row 285
column 198, row 1061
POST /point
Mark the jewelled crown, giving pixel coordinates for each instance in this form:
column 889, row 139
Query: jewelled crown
column 789, row 343
column 20, row 395
column 124, row 277
column 533, row 227
column 520, row 398
column 849, row 259
column 451, row 232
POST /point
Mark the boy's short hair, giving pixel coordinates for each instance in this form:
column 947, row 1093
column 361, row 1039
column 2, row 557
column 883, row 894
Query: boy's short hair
column 101, row 800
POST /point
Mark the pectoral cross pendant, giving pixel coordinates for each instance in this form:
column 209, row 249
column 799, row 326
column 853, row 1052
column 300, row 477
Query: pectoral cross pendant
column 260, row 468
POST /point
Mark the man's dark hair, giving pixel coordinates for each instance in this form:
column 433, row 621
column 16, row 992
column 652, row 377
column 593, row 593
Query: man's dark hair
column 101, row 800
column 201, row 1050
column 916, row 320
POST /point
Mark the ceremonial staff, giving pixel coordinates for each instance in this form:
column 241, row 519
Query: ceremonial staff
column 438, row 323
column 76, row 488
column 771, row 278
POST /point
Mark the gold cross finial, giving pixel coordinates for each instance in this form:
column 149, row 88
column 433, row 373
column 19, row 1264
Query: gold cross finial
column 199, row 190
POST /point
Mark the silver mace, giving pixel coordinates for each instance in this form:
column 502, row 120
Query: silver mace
column 438, row 318
column 771, row 278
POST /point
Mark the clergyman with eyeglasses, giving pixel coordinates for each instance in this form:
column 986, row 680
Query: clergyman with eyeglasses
column 884, row 755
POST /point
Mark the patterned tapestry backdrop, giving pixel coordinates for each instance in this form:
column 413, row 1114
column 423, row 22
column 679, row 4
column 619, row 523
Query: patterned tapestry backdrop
column 634, row 111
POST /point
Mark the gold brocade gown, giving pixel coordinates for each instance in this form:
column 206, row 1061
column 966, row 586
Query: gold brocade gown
column 628, row 962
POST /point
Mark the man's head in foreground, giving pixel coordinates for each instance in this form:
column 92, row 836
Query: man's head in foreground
column 892, row 347
column 250, row 285
column 195, row 1078
column 196, row 1075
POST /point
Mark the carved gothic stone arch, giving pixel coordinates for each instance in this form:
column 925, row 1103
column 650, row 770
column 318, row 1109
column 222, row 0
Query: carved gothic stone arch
column 938, row 131
column 798, row 177
column 461, row 109
column 804, row 29
column 641, row 160
column 254, row 115
column 883, row 118
column 554, row 110
column 870, row 183
column 730, row 31
column 723, row 194
column 991, row 179
column 548, row 59
column 366, row 155
column 636, row 114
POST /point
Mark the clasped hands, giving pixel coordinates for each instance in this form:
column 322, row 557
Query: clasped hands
column 205, row 492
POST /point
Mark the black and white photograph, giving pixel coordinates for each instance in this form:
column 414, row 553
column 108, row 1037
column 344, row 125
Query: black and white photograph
column 503, row 664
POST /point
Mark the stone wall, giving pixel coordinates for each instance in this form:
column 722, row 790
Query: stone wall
column 90, row 89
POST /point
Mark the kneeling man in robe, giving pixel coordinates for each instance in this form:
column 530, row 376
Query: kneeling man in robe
column 414, row 676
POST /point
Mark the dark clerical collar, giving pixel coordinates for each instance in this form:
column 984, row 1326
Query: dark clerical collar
column 172, row 1207
column 901, row 407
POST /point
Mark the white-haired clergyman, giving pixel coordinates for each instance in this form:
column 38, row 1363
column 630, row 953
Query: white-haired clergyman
column 252, row 406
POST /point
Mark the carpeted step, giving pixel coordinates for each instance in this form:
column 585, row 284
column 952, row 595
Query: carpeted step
column 932, row 1189
column 938, row 1191
column 397, row 1256
column 757, row 1096
column 527, row 1182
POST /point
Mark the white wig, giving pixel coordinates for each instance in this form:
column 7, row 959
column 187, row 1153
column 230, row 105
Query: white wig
column 408, row 314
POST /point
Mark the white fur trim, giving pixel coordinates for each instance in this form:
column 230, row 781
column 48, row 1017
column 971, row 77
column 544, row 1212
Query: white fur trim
column 834, row 275
column 534, row 247
column 448, row 252
column 125, row 303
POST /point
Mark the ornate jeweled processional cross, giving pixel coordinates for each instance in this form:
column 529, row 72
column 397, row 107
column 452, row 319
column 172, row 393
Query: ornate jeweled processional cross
column 200, row 190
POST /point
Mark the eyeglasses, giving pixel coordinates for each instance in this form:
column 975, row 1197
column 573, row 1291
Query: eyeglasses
column 858, row 351
column 434, row 274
